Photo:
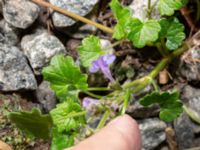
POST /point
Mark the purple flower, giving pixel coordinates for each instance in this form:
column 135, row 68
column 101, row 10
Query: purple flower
column 102, row 63
column 88, row 102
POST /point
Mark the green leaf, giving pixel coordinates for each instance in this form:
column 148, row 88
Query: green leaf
column 167, row 7
column 90, row 50
column 61, row 141
column 119, row 10
column 173, row 31
column 142, row 33
column 33, row 123
column 65, row 77
column 68, row 116
column 170, row 105
column 123, row 15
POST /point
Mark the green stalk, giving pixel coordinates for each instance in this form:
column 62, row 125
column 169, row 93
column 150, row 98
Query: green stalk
column 139, row 84
column 103, row 119
column 92, row 94
column 99, row 89
column 149, row 10
column 77, row 114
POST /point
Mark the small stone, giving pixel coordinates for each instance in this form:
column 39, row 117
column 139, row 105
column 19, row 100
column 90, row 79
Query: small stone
column 40, row 48
column 8, row 33
column 140, row 8
column 80, row 7
column 152, row 132
column 184, row 132
column 46, row 96
column 15, row 74
column 190, row 68
column 20, row 13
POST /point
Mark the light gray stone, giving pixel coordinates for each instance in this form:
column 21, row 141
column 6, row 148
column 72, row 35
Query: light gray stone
column 140, row 8
column 20, row 13
column 152, row 132
column 46, row 96
column 190, row 68
column 15, row 74
column 40, row 48
column 8, row 33
column 80, row 7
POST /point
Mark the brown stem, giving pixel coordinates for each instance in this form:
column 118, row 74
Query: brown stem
column 73, row 15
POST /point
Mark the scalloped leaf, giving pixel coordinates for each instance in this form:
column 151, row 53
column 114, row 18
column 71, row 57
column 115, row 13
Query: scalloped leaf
column 168, row 7
column 61, row 141
column 65, row 77
column 123, row 15
column 142, row 33
column 33, row 123
column 173, row 31
column 90, row 50
column 170, row 105
column 68, row 116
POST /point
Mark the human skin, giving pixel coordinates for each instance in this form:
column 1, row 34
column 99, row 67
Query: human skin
column 120, row 134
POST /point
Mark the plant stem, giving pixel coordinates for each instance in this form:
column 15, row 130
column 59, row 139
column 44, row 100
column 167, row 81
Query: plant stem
column 92, row 94
column 77, row 114
column 149, row 10
column 126, row 101
column 114, row 44
column 103, row 119
column 139, row 84
column 73, row 15
column 99, row 89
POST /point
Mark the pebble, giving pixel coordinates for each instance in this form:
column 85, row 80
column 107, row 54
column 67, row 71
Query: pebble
column 190, row 68
column 80, row 7
column 9, row 35
column 152, row 132
column 140, row 8
column 46, row 96
column 20, row 13
column 184, row 132
column 15, row 73
column 39, row 48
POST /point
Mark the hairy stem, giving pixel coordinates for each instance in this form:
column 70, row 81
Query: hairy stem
column 103, row 119
column 139, row 84
column 99, row 89
column 73, row 15
column 92, row 94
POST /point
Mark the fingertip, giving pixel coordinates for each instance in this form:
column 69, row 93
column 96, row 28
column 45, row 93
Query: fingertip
column 129, row 128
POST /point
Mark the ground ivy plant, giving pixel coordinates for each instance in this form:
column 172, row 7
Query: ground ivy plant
column 69, row 119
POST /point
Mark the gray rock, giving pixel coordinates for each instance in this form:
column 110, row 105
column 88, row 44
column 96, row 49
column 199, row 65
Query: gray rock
column 40, row 48
column 46, row 96
column 184, row 132
column 20, row 13
column 140, row 8
column 152, row 132
column 138, row 111
column 80, row 7
column 190, row 68
column 8, row 33
column 191, row 97
column 15, row 74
